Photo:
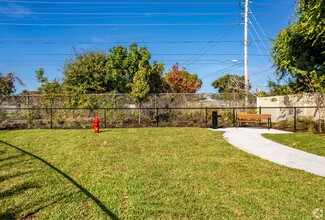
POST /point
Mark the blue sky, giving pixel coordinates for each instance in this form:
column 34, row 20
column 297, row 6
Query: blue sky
column 204, row 37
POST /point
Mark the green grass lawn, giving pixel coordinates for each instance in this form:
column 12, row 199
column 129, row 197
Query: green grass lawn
column 306, row 141
column 148, row 173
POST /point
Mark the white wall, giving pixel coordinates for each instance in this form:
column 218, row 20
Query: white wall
column 303, row 100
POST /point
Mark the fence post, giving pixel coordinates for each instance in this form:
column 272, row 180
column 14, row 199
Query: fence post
column 206, row 117
column 105, row 117
column 157, row 117
column 51, row 111
column 295, row 119
column 155, row 100
column 234, row 117
column 114, row 100
column 260, row 110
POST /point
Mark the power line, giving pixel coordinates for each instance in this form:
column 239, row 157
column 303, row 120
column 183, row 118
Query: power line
column 114, row 16
column 60, row 64
column 257, row 46
column 67, row 19
column 274, row 5
column 10, row 40
column 187, row 33
column 162, row 60
column 115, row 7
column 120, row 3
column 210, row 47
column 207, row 44
column 263, row 71
column 115, row 42
column 118, row 25
column 260, row 28
column 120, row 13
column 259, row 37
column 271, row 15
column 101, row 7
column 113, row 36
column 222, row 71
column 155, row 54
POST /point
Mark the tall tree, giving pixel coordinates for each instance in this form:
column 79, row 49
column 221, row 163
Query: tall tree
column 7, row 84
column 100, row 72
column 87, row 73
column 230, row 83
column 299, row 50
column 47, row 87
column 181, row 81
column 124, row 64
column 140, row 87
column 117, row 73
column 155, row 78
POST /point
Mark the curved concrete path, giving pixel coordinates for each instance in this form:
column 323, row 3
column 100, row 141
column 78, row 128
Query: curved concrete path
column 251, row 141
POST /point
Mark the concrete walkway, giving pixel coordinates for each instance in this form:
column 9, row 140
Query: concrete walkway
column 251, row 141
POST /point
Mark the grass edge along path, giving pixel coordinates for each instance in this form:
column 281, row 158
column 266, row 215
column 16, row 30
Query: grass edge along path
column 306, row 141
column 150, row 173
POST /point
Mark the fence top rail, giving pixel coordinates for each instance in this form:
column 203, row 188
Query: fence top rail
column 118, row 93
column 171, row 108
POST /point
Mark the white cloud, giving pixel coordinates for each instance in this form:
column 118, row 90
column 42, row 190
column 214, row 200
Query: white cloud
column 99, row 39
column 15, row 11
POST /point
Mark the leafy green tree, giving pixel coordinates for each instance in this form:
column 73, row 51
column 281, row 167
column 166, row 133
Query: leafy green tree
column 87, row 73
column 155, row 78
column 275, row 89
column 181, row 81
column 47, row 87
column 136, row 59
column 140, row 86
column 7, row 84
column 126, row 63
column 299, row 50
column 230, row 83
column 117, row 74
column 93, row 72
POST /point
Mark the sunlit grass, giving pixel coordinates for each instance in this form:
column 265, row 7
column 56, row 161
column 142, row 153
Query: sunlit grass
column 307, row 141
column 151, row 173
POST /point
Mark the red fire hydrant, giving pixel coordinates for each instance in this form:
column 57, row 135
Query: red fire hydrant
column 96, row 125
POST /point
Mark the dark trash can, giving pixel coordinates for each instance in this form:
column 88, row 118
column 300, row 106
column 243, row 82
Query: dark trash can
column 215, row 117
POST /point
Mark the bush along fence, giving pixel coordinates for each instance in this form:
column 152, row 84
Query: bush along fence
column 287, row 118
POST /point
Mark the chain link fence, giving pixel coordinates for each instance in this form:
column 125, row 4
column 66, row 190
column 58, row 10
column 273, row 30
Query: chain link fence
column 294, row 118
column 118, row 100
column 118, row 110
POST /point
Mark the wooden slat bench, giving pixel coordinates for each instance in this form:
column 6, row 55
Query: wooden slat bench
column 254, row 119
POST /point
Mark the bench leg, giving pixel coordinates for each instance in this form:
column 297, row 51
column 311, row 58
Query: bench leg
column 269, row 124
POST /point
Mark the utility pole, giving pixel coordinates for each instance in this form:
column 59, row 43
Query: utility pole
column 246, row 52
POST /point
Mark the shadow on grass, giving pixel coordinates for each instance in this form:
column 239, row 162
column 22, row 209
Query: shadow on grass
column 5, row 165
column 19, row 189
column 85, row 191
column 12, row 213
column 104, row 130
column 7, row 177
column 11, row 157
